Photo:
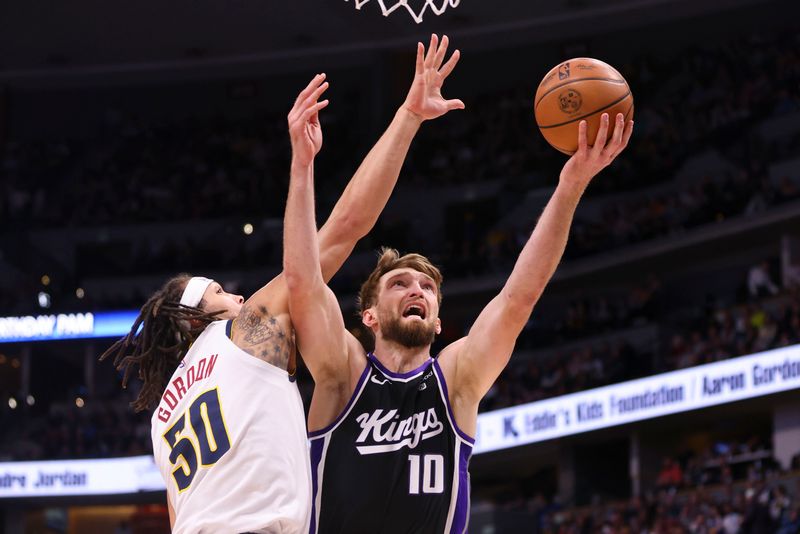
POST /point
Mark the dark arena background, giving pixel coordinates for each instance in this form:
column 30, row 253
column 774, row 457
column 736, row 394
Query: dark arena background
column 655, row 387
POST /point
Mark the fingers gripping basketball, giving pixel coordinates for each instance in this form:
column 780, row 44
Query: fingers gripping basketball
column 579, row 89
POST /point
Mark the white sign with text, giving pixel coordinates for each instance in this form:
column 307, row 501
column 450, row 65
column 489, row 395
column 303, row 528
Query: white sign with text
column 79, row 477
column 669, row 393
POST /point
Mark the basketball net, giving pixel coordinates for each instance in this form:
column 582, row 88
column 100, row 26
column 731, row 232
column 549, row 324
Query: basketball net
column 437, row 6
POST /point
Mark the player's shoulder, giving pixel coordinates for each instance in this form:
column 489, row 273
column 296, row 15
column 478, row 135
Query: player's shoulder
column 450, row 354
column 448, row 359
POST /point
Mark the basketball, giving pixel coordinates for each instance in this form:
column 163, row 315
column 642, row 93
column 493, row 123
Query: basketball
column 578, row 89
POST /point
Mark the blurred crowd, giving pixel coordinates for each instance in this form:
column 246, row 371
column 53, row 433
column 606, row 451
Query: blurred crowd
column 720, row 333
column 95, row 429
column 722, row 462
column 749, row 508
column 700, row 495
column 138, row 172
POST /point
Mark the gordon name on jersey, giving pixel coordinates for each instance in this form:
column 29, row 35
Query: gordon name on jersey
column 181, row 385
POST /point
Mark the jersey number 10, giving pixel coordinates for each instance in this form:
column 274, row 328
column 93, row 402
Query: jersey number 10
column 432, row 479
column 209, row 442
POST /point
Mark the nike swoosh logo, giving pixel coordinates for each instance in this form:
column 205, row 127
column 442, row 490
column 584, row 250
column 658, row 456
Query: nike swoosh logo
column 374, row 378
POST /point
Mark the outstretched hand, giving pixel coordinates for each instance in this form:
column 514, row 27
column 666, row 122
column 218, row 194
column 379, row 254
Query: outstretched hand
column 305, row 130
column 588, row 161
column 425, row 98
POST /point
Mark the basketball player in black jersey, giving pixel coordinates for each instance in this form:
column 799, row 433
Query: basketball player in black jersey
column 391, row 431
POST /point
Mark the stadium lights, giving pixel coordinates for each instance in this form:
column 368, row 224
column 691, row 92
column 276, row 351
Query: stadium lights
column 44, row 299
column 29, row 400
column 45, row 280
column 79, row 402
column 247, row 229
column 12, row 403
column 80, row 293
column 15, row 363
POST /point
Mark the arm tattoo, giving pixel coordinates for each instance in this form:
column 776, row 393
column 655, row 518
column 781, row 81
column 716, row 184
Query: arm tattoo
column 261, row 335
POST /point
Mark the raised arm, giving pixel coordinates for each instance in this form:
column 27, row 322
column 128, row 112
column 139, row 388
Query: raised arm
column 316, row 316
column 263, row 327
column 476, row 360
column 368, row 191
column 321, row 335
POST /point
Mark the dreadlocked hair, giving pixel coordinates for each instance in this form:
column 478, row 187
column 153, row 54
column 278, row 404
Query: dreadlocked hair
column 158, row 340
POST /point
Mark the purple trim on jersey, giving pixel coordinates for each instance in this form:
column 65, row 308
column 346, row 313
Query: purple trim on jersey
column 391, row 374
column 443, row 384
column 461, row 515
column 346, row 408
column 316, row 457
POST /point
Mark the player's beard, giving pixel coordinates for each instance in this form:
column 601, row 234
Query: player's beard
column 411, row 334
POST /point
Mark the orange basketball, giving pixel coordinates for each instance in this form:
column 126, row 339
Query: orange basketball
column 578, row 89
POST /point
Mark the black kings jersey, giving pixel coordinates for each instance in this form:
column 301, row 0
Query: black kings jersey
column 394, row 461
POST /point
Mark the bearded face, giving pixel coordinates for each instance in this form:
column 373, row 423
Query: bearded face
column 406, row 331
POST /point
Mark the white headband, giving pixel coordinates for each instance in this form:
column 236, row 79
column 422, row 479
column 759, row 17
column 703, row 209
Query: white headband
column 195, row 288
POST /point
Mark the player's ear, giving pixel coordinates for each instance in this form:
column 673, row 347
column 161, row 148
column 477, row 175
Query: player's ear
column 195, row 324
column 369, row 318
column 438, row 326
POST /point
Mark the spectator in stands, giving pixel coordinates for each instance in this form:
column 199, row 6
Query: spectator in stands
column 791, row 276
column 790, row 523
column 731, row 520
column 759, row 282
column 780, row 504
column 787, row 190
column 670, row 475
column 758, row 519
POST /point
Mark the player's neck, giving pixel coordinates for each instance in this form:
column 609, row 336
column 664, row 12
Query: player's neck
column 399, row 358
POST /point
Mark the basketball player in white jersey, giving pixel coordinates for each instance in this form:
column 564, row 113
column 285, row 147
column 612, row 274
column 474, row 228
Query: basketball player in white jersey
column 228, row 426
column 392, row 431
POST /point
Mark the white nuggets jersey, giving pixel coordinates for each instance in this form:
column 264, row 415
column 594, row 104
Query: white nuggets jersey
column 229, row 437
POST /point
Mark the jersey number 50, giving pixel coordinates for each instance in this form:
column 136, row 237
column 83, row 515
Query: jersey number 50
column 210, row 440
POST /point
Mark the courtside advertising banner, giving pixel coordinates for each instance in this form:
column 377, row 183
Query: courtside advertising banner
column 669, row 393
column 66, row 326
column 79, row 477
